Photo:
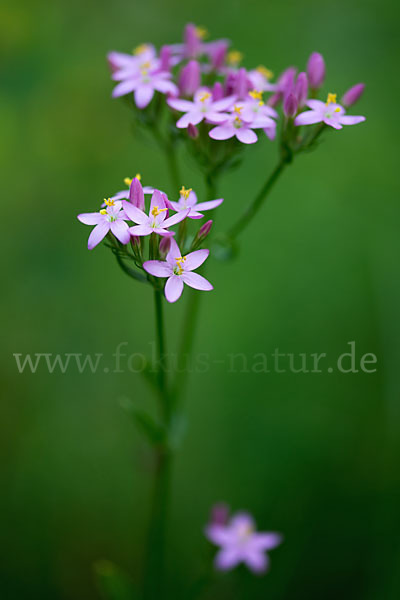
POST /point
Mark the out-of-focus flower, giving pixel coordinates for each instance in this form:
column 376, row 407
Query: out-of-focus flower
column 290, row 106
column 155, row 221
column 202, row 107
column 284, row 85
column 179, row 270
column 240, row 543
column 108, row 219
column 188, row 199
column 260, row 79
column 316, row 70
column 143, row 82
column 255, row 108
column 301, row 89
column 353, row 94
column 328, row 112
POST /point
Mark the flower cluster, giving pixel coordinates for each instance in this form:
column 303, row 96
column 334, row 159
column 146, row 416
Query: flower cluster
column 205, row 81
column 129, row 205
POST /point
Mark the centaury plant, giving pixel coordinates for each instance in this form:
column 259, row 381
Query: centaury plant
column 197, row 94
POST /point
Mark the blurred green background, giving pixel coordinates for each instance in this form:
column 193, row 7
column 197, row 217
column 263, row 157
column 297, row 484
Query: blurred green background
column 314, row 456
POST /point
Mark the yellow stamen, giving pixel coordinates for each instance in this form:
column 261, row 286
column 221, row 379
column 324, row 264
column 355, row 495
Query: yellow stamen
column 331, row 99
column 237, row 109
column 264, row 71
column 179, row 262
column 109, row 202
column 103, row 211
column 205, row 96
column 234, row 57
column 261, row 103
column 184, row 192
column 138, row 176
column 257, row 95
column 156, row 211
column 140, row 49
column 201, row 32
column 337, row 109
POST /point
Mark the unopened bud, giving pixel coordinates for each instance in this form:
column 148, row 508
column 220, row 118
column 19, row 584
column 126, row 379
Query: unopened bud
column 316, row 70
column 290, row 105
column 301, row 89
column 192, row 131
column 165, row 246
column 217, row 91
column 353, row 94
column 165, row 58
column 205, row 229
column 189, row 79
column 136, row 195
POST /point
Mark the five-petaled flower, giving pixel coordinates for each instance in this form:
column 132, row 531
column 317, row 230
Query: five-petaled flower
column 156, row 221
column 330, row 112
column 202, row 107
column 188, row 199
column 240, row 543
column 236, row 125
column 108, row 219
column 179, row 270
column 143, row 80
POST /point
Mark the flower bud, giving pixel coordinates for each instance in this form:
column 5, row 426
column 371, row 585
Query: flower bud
column 205, row 229
column 218, row 53
column 301, row 89
column 135, row 241
column 274, row 99
column 192, row 41
column 219, row 514
column 353, row 94
column 286, row 80
column 241, row 83
column 192, row 131
column 230, row 83
column 189, row 79
column 217, row 91
column 316, row 70
column 290, row 105
column 165, row 246
column 165, row 58
column 136, row 194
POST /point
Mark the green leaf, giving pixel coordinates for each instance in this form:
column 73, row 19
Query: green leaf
column 112, row 582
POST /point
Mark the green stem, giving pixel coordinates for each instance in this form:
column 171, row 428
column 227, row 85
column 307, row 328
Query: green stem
column 171, row 156
column 255, row 206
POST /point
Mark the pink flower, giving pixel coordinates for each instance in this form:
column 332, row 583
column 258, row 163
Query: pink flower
column 108, row 219
column 188, row 199
column 240, row 543
column 135, row 192
column 179, row 270
column 155, row 221
column 143, row 78
column 236, row 125
column 202, row 107
column 254, row 109
column 316, row 70
column 259, row 79
column 328, row 112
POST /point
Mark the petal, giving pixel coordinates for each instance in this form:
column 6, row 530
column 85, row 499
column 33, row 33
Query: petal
column 246, row 136
column 220, row 535
column 143, row 95
column 158, row 268
column 121, row 231
column 174, row 252
column 181, row 105
column 333, row 123
column 157, row 199
column 317, row 105
column 165, row 87
column 256, row 561
column 125, row 87
column 270, row 132
column 209, row 205
column 195, row 259
column 266, row 541
column 224, row 104
column 163, row 232
column 193, row 117
column 242, row 520
column 192, row 200
column 309, row 117
column 90, row 218
column 135, row 214
column 179, row 216
column 349, row 120
column 195, row 215
column 227, row 558
column 216, row 118
column 141, row 230
column 98, row 233
column 173, row 288
column 196, row 281
column 136, row 193
column 222, row 132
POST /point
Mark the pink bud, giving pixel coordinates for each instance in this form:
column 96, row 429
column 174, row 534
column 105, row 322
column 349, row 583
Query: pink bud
column 205, row 229
column 290, row 105
column 316, row 70
column 218, row 53
column 191, row 40
column 192, row 131
column 189, row 79
column 301, row 89
column 165, row 246
column 286, row 80
column 274, row 99
column 136, row 195
column 219, row 514
column 217, row 91
column 353, row 94
column 230, row 83
column 165, row 58
column 135, row 241
column 241, row 83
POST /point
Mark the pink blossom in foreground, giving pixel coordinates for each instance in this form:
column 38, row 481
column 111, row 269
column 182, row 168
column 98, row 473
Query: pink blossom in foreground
column 143, row 81
column 240, row 543
column 188, row 199
column 202, row 107
column 235, row 125
column 108, row 219
column 179, row 270
column 156, row 221
column 328, row 112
